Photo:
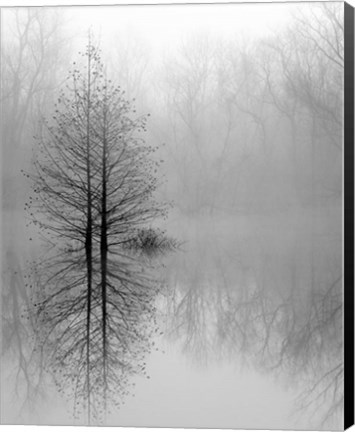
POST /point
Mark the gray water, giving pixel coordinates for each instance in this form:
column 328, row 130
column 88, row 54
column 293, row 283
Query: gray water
column 251, row 323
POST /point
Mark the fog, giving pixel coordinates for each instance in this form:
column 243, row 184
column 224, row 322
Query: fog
column 172, row 247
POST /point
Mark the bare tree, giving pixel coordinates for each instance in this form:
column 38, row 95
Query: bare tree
column 189, row 83
column 94, row 187
column 310, row 60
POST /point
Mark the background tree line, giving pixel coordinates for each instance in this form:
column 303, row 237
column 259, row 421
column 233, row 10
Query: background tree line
column 273, row 105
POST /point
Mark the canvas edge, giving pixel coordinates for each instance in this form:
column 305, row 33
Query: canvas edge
column 348, row 215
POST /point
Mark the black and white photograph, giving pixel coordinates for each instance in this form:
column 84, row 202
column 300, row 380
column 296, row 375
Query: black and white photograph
column 172, row 215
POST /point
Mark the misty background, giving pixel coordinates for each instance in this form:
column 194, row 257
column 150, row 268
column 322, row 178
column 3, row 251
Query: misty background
column 245, row 105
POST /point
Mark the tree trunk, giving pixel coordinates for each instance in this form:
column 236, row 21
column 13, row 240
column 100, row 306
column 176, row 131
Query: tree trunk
column 103, row 259
column 88, row 239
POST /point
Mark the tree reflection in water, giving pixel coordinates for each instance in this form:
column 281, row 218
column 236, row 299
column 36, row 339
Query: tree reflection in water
column 131, row 323
column 269, row 297
column 19, row 346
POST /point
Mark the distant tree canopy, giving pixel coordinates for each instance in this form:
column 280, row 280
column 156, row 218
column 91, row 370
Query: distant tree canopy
column 94, row 183
column 240, row 112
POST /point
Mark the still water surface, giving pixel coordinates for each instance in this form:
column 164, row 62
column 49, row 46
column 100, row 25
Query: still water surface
column 251, row 322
